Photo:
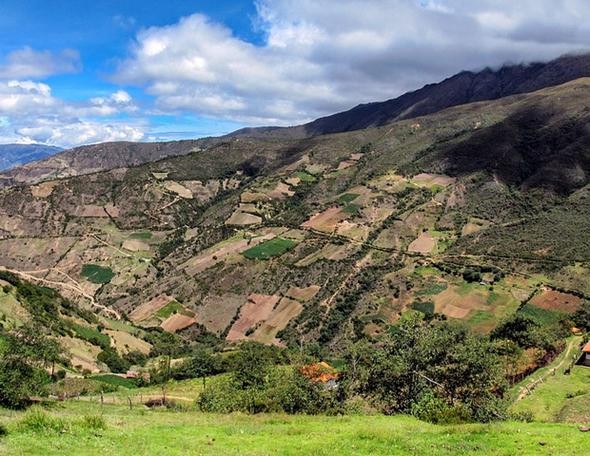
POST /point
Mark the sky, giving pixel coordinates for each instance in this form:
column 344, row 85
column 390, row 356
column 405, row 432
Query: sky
column 77, row 72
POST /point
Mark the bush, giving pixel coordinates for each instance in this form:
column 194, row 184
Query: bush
column 436, row 410
column 38, row 421
column 112, row 359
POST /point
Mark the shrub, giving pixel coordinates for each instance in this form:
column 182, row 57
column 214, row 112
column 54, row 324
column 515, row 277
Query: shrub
column 38, row 421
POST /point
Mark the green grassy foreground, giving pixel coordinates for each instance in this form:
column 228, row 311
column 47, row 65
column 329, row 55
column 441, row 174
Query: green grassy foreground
column 164, row 432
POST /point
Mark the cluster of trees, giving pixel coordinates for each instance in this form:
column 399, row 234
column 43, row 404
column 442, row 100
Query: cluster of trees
column 27, row 360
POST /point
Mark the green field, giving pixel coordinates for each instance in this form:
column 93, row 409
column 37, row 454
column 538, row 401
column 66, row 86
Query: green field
column 75, row 428
column 347, row 198
column 142, row 235
column 171, row 308
column 97, row 274
column 271, row 248
column 304, row 176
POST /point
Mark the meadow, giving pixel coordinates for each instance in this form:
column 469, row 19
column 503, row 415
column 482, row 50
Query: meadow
column 77, row 428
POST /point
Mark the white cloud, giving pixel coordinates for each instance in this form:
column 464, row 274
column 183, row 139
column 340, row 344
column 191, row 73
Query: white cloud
column 29, row 63
column 321, row 57
column 30, row 113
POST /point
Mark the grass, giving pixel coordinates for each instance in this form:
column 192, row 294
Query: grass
column 171, row 308
column 271, row 248
column 73, row 428
column 115, row 380
column 91, row 335
column 97, row 274
column 426, row 308
column 304, row 176
column 543, row 316
column 431, row 289
column 347, row 198
column 142, row 235
column 352, row 208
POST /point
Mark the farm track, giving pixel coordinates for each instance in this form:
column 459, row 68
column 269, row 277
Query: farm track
column 28, row 275
column 566, row 355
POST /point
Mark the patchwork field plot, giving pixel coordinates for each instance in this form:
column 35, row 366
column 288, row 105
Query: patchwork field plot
column 178, row 189
column 303, row 294
column 332, row 252
column 271, row 248
column 97, row 274
column 176, row 322
column 424, row 244
column 257, row 309
column 217, row 312
column 125, row 342
column 285, row 311
column 148, row 309
column 240, row 218
column 327, row 220
column 225, row 249
column 557, row 301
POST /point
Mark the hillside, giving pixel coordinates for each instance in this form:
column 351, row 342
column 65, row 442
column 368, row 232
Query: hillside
column 467, row 213
column 462, row 88
column 94, row 158
column 18, row 154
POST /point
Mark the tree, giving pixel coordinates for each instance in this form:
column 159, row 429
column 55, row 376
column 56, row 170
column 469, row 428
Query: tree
column 420, row 360
column 251, row 365
column 581, row 317
column 24, row 354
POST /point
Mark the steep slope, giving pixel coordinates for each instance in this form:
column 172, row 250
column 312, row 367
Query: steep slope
column 462, row 88
column 462, row 213
column 18, row 154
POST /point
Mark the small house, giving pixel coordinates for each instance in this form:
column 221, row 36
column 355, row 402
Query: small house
column 322, row 373
column 585, row 358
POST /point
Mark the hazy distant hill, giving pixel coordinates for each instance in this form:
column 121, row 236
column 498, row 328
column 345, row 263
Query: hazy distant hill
column 18, row 154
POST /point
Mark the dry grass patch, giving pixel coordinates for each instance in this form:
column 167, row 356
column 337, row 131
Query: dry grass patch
column 217, row 312
column 303, row 294
column 286, row 310
column 424, row 244
column 176, row 322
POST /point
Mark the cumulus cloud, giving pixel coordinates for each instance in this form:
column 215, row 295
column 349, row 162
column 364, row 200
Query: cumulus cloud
column 321, row 57
column 30, row 113
column 29, row 63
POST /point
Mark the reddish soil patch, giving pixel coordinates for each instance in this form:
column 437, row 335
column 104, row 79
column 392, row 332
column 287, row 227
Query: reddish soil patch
column 146, row 310
column 177, row 322
column 555, row 300
column 258, row 308
column 326, row 221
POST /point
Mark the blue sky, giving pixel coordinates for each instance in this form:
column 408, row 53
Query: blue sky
column 75, row 72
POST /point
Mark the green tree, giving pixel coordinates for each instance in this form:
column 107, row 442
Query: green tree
column 24, row 355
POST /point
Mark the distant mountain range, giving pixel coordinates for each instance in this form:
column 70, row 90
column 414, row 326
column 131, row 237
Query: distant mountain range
column 12, row 155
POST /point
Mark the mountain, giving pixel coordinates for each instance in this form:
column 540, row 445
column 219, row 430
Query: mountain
column 97, row 157
column 474, row 213
column 465, row 87
column 18, row 154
